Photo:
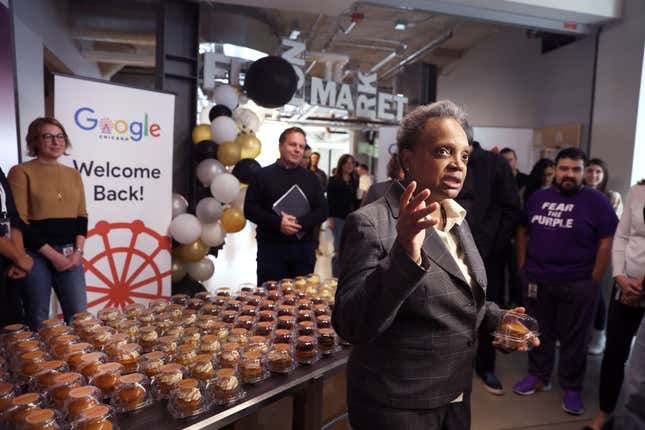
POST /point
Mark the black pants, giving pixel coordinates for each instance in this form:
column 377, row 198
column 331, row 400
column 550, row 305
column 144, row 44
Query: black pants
column 365, row 415
column 514, row 278
column 11, row 307
column 284, row 260
column 622, row 324
column 564, row 312
column 485, row 359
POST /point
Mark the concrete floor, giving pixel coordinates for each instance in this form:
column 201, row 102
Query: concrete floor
column 540, row 411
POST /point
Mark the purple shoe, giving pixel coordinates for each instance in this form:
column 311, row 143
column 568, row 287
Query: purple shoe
column 530, row 385
column 572, row 402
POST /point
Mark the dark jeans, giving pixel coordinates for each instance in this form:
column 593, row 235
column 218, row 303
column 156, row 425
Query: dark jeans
column 485, row 359
column 622, row 324
column 365, row 415
column 284, row 260
column 68, row 285
column 564, row 312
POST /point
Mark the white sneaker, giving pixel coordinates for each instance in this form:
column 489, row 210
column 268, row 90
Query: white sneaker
column 597, row 345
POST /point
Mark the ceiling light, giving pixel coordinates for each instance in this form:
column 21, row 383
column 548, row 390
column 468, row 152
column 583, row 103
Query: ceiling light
column 400, row 25
column 294, row 34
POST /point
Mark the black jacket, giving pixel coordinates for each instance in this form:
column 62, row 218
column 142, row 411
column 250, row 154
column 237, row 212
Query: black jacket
column 267, row 186
column 341, row 196
column 491, row 200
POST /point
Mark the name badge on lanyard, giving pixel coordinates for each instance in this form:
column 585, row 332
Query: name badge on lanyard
column 5, row 222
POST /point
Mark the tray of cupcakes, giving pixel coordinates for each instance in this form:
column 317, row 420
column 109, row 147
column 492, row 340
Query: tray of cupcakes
column 191, row 354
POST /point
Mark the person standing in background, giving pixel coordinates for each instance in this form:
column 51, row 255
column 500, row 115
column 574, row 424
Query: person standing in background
column 286, row 246
column 520, row 178
column 364, row 181
column 51, row 202
column 596, row 177
column 322, row 176
column 564, row 247
column 626, row 307
column 540, row 178
column 394, row 172
column 305, row 163
column 492, row 205
column 15, row 263
column 341, row 196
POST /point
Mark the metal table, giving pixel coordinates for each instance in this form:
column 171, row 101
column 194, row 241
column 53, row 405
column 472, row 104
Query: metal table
column 304, row 383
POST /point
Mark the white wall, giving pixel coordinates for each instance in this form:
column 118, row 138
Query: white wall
column 618, row 80
column 506, row 82
column 38, row 24
column 495, row 81
column 638, row 162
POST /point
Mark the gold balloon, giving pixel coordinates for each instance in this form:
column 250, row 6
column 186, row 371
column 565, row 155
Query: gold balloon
column 177, row 271
column 201, row 132
column 191, row 252
column 229, row 153
column 249, row 144
column 233, row 220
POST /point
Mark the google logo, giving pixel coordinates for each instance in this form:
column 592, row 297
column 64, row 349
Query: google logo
column 86, row 120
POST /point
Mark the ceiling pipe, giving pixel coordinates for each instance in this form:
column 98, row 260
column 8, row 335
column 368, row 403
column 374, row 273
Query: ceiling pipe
column 362, row 46
column 417, row 54
column 311, row 66
column 381, row 63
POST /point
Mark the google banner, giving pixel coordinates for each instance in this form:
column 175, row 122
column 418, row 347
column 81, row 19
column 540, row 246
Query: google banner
column 122, row 146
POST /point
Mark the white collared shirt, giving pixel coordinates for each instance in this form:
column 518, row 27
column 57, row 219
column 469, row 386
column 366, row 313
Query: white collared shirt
column 455, row 215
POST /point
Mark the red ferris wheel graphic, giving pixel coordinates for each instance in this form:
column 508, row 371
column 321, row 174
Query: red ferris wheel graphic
column 124, row 270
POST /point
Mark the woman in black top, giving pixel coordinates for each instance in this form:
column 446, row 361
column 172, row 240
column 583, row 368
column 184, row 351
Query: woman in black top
column 341, row 198
column 14, row 262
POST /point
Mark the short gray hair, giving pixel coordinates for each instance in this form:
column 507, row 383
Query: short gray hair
column 414, row 122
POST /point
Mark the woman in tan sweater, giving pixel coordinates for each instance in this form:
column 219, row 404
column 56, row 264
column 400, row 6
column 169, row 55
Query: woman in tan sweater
column 50, row 200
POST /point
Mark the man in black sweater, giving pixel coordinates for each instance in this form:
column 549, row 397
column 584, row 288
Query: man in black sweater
column 286, row 246
column 492, row 202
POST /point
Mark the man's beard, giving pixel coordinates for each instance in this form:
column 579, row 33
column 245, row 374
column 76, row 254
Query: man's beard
column 568, row 191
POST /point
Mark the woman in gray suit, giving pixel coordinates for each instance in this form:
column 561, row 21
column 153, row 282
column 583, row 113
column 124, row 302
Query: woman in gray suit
column 412, row 287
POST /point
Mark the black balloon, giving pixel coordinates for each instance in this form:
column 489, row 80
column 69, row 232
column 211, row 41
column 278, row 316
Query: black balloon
column 219, row 110
column 205, row 149
column 270, row 82
column 245, row 169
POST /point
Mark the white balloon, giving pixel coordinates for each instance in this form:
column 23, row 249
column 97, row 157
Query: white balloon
column 201, row 270
column 185, row 228
column 223, row 129
column 208, row 169
column 247, row 120
column 226, row 95
column 203, row 115
column 239, row 201
column 179, row 204
column 225, row 188
column 213, row 234
column 208, row 210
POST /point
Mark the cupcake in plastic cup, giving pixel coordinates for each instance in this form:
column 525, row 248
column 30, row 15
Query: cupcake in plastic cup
column 516, row 331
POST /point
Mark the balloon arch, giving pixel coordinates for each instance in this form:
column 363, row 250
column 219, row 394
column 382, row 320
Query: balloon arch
column 225, row 149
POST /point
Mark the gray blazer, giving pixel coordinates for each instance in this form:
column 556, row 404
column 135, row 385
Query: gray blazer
column 376, row 191
column 414, row 329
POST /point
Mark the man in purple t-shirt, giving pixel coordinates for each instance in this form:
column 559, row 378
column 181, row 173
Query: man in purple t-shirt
column 564, row 247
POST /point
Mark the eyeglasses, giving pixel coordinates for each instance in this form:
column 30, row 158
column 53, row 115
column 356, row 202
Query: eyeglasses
column 50, row 137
